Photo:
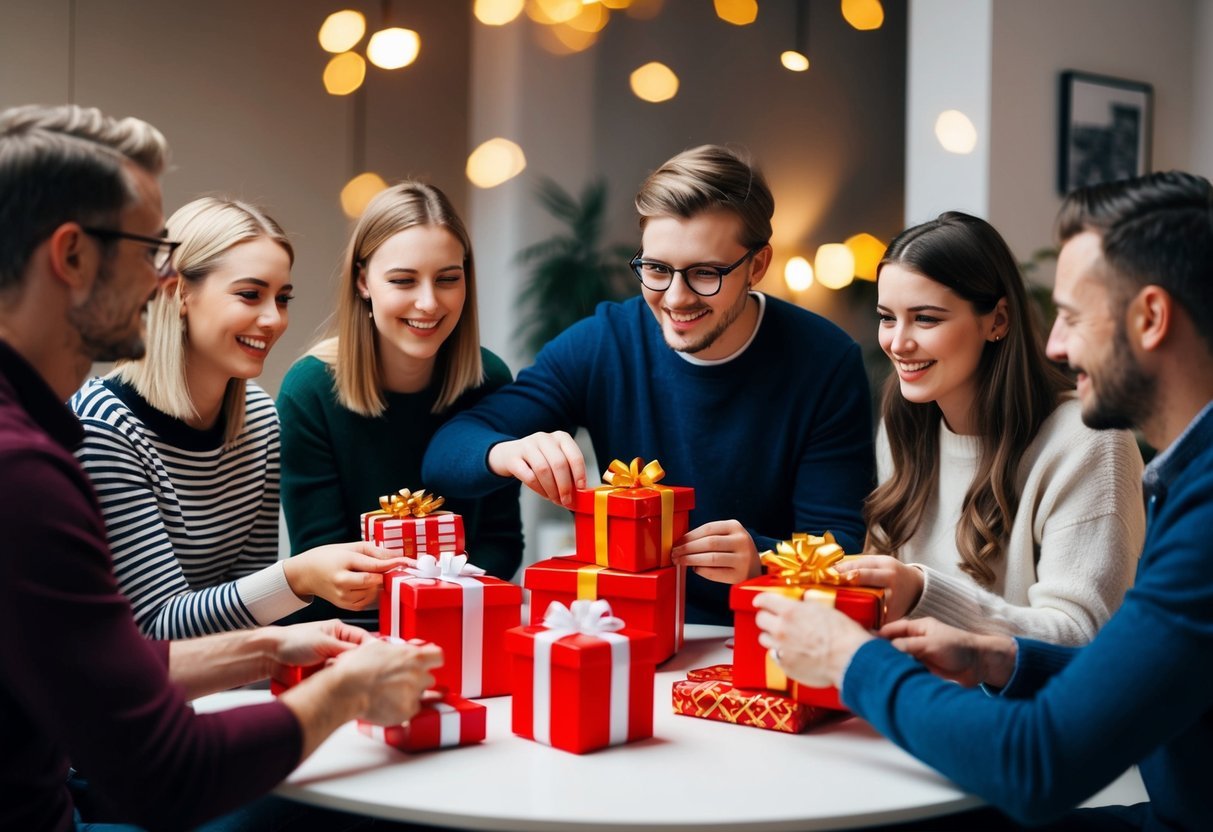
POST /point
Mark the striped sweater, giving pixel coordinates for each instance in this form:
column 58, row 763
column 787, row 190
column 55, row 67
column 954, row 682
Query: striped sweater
column 192, row 523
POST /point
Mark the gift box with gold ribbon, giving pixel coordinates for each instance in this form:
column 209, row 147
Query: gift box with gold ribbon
column 452, row 603
column 410, row 522
column 801, row 568
column 440, row 723
column 651, row 600
column 581, row 680
column 707, row 693
column 631, row 523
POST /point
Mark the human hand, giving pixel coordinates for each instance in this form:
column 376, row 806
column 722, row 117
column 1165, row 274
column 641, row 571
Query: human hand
column 347, row 574
column 388, row 675
column 550, row 464
column 812, row 643
column 903, row 582
column 719, row 551
column 306, row 645
column 968, row 658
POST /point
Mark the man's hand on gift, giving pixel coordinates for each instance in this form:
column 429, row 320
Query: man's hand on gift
column 550, row 464
column 719, row 551
column 811, row 642
column 306, row 645
column 903, row 581
column 348, row 575
column 968, row 658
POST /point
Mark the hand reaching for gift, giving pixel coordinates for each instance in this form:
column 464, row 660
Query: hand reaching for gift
column 719, row 551
column 346, row 574
column 968, row 658
column 391, row 675
column 812, row 642
column 903, row 582
column 311, row 644
column 550, row 464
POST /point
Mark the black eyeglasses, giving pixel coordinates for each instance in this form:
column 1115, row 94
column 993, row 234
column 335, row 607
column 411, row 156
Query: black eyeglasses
column 703, row 279
column 162, row 249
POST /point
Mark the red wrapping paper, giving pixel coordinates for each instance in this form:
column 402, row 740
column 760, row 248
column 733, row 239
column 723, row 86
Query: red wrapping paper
column 716, row 699
column 414, row 536
column 464, row 725
column 633, row 539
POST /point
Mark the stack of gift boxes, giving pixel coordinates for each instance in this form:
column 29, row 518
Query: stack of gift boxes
column 754, row 690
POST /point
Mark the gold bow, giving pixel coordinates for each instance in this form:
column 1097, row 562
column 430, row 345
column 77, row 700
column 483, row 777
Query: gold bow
column 405, row 503
column 806, row 559
column 636, row 475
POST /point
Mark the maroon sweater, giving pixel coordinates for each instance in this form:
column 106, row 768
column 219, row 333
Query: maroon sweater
column 77, row 680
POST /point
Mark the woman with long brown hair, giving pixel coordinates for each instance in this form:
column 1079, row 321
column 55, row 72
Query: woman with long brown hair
column 997, row 509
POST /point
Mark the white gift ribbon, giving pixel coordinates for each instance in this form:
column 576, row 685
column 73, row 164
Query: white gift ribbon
column 592, row 618
column 450, row 726
column 454, row 569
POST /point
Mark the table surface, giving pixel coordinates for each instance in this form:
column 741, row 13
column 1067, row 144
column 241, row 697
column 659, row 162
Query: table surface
column 693, row 773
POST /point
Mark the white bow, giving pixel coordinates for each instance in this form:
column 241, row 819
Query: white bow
column 589, row 617
column 446, row 565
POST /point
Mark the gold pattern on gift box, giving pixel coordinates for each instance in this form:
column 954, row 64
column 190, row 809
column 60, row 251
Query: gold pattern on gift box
column 405, row 503
column 764, row 711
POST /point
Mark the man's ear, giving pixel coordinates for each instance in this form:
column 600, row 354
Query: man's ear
column 74, row 260
column 762, row 262
column 1151, row 316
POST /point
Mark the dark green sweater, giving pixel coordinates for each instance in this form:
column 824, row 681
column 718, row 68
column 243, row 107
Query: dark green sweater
column 336, row 464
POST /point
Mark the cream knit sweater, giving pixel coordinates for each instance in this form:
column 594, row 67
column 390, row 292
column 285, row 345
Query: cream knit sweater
column 1074, row 545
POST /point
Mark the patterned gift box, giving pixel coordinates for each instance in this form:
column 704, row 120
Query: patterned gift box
column 408, row 522
column 652, row 600
column 801, row 568
column 293, row 675
column 716, row 698
column 632, row 522
column 453, row 604
column 442, row 723
column 581, row 681
column 714, row 673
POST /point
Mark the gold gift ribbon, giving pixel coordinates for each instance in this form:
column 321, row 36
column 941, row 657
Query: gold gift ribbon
column 806, row 559
column 587, row 581
column 405, row 503
column 619, row 475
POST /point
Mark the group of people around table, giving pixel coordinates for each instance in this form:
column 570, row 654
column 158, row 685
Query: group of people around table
column 998, row 501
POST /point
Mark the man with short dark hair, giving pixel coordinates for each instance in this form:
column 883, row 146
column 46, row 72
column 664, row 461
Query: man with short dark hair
column 761, row 406
column 1134, row 294
column 82, row 249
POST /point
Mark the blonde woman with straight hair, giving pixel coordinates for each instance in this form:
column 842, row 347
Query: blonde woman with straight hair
column 359, row 409
column 183, row 448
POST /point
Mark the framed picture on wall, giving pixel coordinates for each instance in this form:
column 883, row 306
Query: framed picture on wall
column 1106, row 126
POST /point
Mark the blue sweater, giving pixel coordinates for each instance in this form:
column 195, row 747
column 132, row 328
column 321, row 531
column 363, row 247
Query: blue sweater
column 779, row 438
column 1072, row 719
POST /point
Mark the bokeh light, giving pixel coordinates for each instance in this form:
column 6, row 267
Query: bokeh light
column 359, row 191
column 955, row 132
column 798, row 274
column 834, row 266
column 497, row 12
column 342, row 30
column 654, row 82
column 393, row 48
column 495, row 161
column 795, row 61
column 344, row 73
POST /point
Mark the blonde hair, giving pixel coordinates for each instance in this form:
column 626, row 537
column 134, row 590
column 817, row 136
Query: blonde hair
column 706, row 178
column 353, row 350
column 207, row 229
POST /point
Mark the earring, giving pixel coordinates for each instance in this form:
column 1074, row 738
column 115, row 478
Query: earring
column 371, row 314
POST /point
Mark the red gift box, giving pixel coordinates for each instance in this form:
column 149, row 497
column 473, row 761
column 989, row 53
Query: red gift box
column 579, row 687
column 442, row 723
column 414, row 536
column 456, row 606
column 802, row 569
column 293, row 675
column 632, row 523
column 652, row 600
column 717, row 699
column 714, row 673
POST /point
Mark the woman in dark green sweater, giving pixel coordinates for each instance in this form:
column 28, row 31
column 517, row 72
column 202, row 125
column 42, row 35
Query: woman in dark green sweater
column 359, row 409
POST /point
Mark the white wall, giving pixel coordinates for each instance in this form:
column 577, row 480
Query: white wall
column 1202, row 89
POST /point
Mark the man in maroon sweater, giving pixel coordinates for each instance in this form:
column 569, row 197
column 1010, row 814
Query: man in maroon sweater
column 81, row 252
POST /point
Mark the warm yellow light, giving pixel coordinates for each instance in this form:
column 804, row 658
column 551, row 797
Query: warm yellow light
column 342, row 30
column 644, row 9
column 344, row 73
column 359, row 191
column 616, row 4
column 798, row 274
column 562, row 39
column 654, row 82
column 592, row 18
column 955, row 132
column 867, row 251
column 553, row 11
column 737, row 12
column 795, row 61
column 834, row 266
column 864, row 15
column 497, row 12
column 393, row 48
column 497, row 160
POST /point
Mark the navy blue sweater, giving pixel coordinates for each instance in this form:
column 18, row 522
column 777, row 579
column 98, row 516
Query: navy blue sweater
column 1072, row 719
column 779, row 438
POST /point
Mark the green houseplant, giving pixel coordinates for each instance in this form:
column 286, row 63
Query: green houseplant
column 571, row 272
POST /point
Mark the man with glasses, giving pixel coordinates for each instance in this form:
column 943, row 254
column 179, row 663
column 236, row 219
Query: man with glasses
column 762, row 406
column 82, row 250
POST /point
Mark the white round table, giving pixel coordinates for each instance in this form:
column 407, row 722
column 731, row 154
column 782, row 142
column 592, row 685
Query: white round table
column 693, row 773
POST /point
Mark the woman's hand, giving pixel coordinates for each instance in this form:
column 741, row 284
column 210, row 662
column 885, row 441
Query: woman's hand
column 348, row 575
column 903, row 582
column 720, row 551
